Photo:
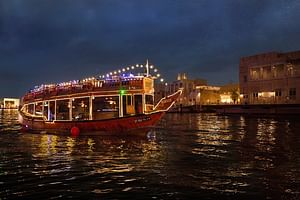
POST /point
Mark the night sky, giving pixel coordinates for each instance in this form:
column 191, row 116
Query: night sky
column 49, row 41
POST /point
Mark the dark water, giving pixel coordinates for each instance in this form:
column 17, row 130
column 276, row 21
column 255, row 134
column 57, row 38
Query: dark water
column 190, row 156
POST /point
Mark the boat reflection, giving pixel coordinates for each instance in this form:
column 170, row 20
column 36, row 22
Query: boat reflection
column 100, row 155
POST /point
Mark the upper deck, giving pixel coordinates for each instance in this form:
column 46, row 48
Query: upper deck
column 91, row 86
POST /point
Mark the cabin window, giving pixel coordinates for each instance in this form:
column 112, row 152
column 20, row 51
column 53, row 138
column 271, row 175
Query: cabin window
column 39, row 109
column 45, row 112
column 129, row 100
column 51, row 114
column 138, row 104
column 80, row 109
column 128, row 108
column 25, row 108
column 49, row 108
column 62, row 109
column 31, row 108
column 149, row 102
column 105, row 107
column 149, row 99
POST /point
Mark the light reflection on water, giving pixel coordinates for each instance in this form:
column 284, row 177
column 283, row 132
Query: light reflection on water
column 189, row 155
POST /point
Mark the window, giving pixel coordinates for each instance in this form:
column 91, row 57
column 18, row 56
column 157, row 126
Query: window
column 46, row 106
column 129, row 100
column 31, row 108
column 290, row 70
column 138, row 104
column 245, row 78
column 80, row 108
column 292, row 93
column 62, row 109
column 51, row 114
column 149, row 102
column 39, row 109
column 266, row 72
column 255, row 94
column 105, row 107
column 278, row 93
column 149, row 99
column 256, row 73
column 127, row 105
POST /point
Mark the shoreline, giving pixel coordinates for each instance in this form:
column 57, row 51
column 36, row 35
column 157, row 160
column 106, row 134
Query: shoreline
column 266, row 109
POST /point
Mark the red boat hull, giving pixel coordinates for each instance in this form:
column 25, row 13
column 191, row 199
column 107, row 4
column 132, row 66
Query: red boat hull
column 124, row 125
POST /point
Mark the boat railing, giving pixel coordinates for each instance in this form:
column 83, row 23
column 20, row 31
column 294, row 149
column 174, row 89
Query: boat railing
column 83, row 88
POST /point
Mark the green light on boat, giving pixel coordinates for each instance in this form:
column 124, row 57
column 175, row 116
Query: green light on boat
column 122, row 92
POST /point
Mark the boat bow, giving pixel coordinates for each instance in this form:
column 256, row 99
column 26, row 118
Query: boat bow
column 167, row 102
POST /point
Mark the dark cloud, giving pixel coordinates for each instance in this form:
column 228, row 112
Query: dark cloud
column 51, row 41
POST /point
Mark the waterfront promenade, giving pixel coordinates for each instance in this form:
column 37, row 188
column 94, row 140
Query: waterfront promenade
column 265, row 109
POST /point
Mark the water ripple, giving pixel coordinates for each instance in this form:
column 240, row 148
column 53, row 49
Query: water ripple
column 190, row 156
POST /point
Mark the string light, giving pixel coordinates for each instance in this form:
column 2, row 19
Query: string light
column 110, row 74
column 133, row 67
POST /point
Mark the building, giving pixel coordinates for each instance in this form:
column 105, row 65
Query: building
column 9, row 103
column 198, row 92
column 230, row 93
column 270, row 78
column 191, row 94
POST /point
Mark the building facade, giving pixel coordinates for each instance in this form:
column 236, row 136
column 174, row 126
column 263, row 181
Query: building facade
column 230, row 93
column 198, row 92
column 191, row 94
column 270, row 78
column 9, row 103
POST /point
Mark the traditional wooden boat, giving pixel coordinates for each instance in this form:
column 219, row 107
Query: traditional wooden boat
column 117, row 104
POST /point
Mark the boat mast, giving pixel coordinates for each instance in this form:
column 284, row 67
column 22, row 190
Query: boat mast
column 147, row 68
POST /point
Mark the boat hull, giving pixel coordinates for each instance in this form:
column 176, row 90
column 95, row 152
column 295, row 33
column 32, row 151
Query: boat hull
column 123, row 125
